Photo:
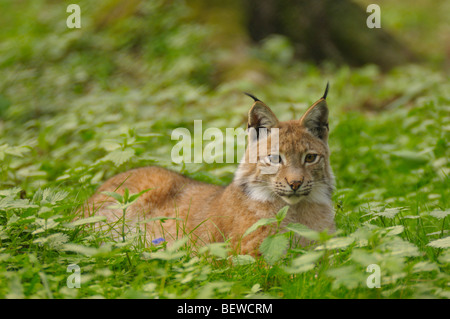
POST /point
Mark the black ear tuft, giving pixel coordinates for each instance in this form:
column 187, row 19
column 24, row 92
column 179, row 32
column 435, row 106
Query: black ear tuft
column 326, row 91
column 316, row 118
column 260, row 115
column 253, row 97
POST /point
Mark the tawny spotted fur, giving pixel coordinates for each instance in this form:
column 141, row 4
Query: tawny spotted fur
column 302, row 179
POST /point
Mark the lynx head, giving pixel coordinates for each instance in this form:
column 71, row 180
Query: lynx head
column 287, row 160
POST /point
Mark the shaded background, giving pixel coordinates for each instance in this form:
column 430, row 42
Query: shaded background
column 213, row 42
column 80, row 105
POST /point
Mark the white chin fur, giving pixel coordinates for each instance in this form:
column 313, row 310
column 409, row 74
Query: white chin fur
column 261, row 193
column 318, row 195
column 291, row 200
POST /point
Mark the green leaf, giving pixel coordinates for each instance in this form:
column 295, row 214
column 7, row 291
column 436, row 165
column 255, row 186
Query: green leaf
column 361, row 236
column 88, row 220
column 7, row 203
column 445, row 257
column 45, row 224
column 399, row 247
column 216, row 249
column 15, row 288
column 347, row 276
column 54, row 241
column 241, row 260
column 3, row 233
column 10, row 192
column 425, row 266
column 410, row 156
column 14, row 150
column 282, row 214
column 114, row 195
column 118, row 157
column 52, row 196
column 110, row 146
column 134, row 197
column 364, row 257
column 337, row 243
column 273, row 248
column 173, row 251
column 305, row 262
column 87, row 251
column 259, row 223
column 440, row 243
column 303, row 231
column 395, row 230
column 440, row 214
column 389, row 213
column 166, row 255
column 178, row 244
column 126, row 194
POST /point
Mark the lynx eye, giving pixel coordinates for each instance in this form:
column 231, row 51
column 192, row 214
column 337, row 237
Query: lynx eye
column 274, row 159
column 310, row 158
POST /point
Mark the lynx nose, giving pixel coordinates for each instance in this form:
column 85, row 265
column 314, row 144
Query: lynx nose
column 295, row 184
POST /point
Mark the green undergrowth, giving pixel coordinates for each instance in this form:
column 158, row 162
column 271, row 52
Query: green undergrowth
column 79, row 106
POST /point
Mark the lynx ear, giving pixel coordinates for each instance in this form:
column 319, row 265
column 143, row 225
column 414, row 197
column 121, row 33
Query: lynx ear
column 316, row 118
column 260, row 115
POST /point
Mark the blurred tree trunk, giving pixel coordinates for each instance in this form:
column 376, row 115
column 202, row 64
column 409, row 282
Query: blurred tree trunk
column 326, row 30
column 333, row 30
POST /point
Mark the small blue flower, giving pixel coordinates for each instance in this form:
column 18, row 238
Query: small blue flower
column 158, row 241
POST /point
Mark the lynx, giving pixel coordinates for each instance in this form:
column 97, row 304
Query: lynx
column 303, row 180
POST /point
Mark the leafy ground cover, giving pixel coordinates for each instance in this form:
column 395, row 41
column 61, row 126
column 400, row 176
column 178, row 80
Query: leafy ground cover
column 78, row 106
